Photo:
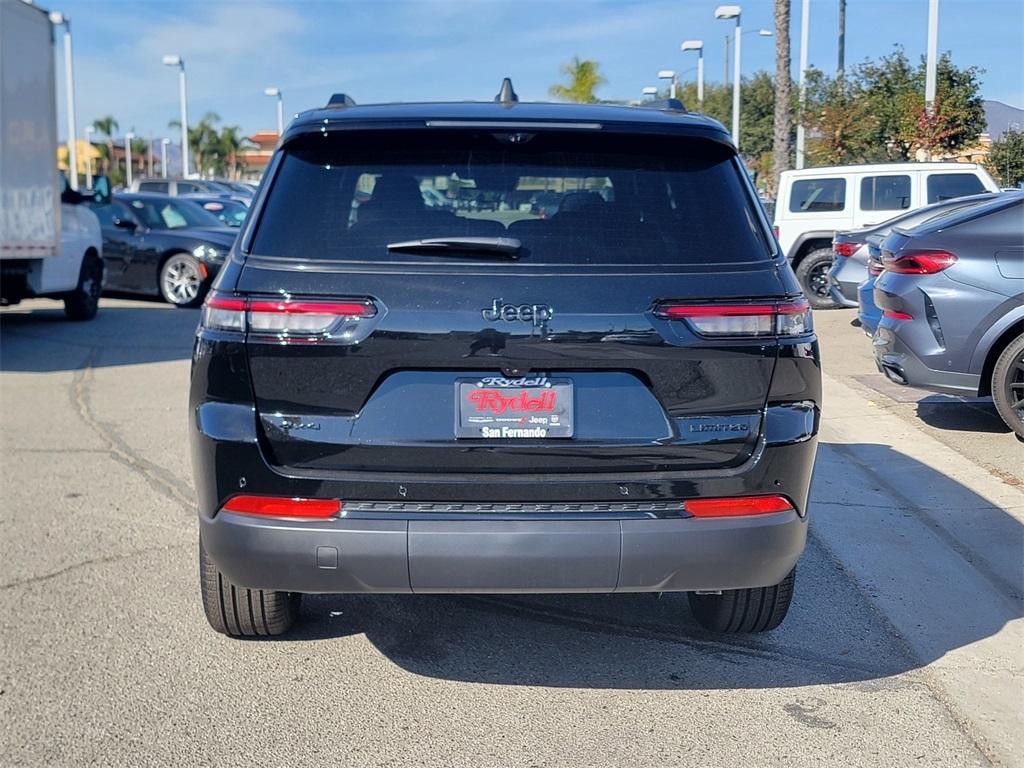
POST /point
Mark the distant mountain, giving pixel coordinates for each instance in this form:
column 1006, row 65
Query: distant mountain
column 999, row 117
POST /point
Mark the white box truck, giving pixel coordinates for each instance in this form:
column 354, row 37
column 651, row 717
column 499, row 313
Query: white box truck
column 50, row 242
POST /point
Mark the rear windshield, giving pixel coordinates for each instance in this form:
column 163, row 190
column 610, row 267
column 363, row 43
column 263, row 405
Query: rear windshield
column 569, row 198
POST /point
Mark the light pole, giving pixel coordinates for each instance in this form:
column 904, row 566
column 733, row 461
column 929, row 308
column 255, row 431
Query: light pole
column 649, row 92
column 805, row 15
column 727, row 12
column 670, row 75
column 163, row 157
column 128, row 158
column 89, row 130
column 698, row 46
column 930, row 62
column 276, row 93
column 59, row 19
column 172, row 60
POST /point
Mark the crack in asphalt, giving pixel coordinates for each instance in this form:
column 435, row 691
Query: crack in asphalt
column 86, row 563
column 158, row 478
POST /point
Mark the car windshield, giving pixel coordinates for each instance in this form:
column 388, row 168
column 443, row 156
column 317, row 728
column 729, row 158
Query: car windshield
column 167, row 213
column 566, row 197
column 228, row 212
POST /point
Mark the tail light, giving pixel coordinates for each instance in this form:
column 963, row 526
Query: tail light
column 790, row 318
column 845, row 249
column 919, row 262
column 282, row 506
column 737, row 506
column 288, row 319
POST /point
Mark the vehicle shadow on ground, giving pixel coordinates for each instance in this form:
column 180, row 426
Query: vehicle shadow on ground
column 962, row 417
column 833, row 634
column 36, row 337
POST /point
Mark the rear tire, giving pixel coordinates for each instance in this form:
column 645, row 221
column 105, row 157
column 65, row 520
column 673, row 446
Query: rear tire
column 759, row 609
column 240, row 612
column 84, row 301
column 812, row 272
column 1008, row 385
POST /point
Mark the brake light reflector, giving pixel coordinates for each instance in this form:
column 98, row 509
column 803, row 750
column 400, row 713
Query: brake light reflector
column 845, row 249
column 737, row 506
column 920, row 262
column 281, row 506
column 789, row 318
column 894, row 315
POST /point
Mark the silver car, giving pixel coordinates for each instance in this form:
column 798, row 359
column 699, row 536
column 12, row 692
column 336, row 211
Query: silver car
column 952, row 301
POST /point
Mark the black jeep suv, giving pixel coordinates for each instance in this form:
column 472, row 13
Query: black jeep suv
column 409, row 378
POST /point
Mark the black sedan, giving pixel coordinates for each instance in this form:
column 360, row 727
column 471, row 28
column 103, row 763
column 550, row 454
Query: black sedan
column 161, row 245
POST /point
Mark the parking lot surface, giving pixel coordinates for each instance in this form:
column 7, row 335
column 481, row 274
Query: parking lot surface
column 903, row 646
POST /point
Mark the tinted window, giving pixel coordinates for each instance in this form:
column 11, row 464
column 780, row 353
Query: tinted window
column 153, row 186
column 186, row 188
column 172, row 214
column 885, row 193
column 231, row 213
column 943, row 186
column 114, row 210
column 568, row 198
column 817, row 195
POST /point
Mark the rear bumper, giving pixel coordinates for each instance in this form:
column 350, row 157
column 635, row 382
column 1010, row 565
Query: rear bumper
column 841, row 293
column 414, row 554
column 898, row 362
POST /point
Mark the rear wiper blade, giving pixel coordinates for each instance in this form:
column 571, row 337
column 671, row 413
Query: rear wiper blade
column 463, row 246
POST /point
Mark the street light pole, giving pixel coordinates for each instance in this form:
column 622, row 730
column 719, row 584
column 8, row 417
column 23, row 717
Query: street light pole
column 733, row 12
column 933, row 48
column 172, row 60
column 88, row 156
column 670, row 75
column 59, row 19
column 805, row 14
column 276, row 92
column 163, row 157
column 698, row 46
column 128, row 157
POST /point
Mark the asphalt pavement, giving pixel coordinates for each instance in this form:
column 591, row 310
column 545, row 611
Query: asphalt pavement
column 904, row 645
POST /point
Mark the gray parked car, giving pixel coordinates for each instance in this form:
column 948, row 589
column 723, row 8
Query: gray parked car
column 850, row 267
column 952, row 301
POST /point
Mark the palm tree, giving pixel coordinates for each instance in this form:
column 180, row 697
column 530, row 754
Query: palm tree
column 584, row 78
column 202, row 137
column 107, row 126
column 230, row 143
column 782, row 125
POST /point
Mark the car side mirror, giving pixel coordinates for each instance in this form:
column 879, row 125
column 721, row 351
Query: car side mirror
column 125, row 224
column 101, row 190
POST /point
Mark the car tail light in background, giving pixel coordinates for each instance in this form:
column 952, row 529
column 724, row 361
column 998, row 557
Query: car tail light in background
column 283, row 506
column 845, row 249
column 775, row 229
column 919, row 262
column 289, row 319
column 737, row 506
column 788, row 318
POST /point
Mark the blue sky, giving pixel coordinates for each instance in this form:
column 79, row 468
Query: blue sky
column 388, row 50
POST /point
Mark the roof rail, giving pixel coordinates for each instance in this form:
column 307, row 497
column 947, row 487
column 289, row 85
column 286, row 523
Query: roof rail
column 673, row 104
column 341, row 100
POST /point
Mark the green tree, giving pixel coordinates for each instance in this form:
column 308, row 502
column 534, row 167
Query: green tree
column 895, row 91
column 107, row 126
column 1006, row 159
column 841, row 125
column 584, row 78
column 203, row 139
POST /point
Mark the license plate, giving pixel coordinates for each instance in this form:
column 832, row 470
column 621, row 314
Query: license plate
column 529, row 408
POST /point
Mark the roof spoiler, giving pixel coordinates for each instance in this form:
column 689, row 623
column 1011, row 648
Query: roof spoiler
column 674, row 105
column 341, row 100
